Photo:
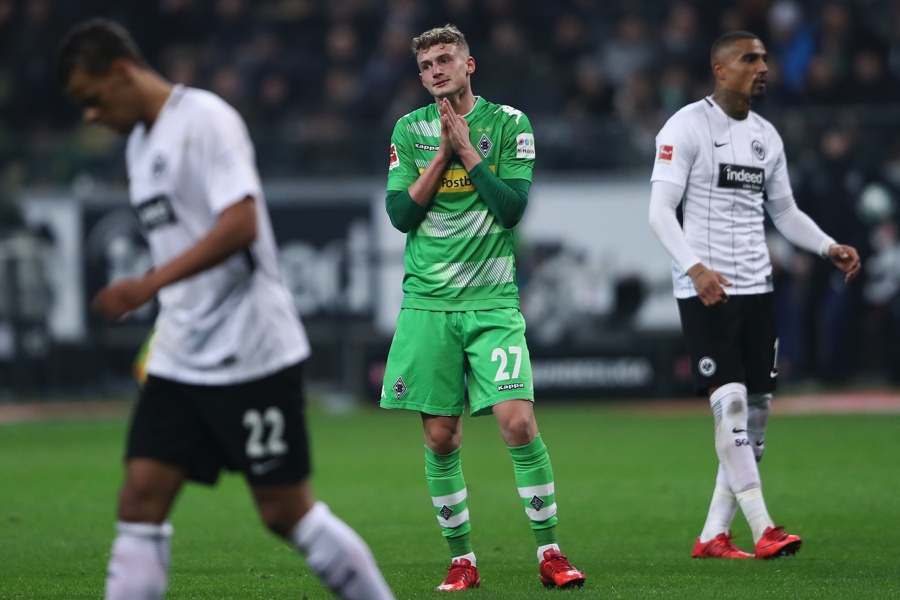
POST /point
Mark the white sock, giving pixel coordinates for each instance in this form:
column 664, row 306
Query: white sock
column 729, row 404
column 541, row 550
column 722, row 508
column 469, row 557
column 757, row 417
column 139, row 564
column 754, row 508
column 338, row 556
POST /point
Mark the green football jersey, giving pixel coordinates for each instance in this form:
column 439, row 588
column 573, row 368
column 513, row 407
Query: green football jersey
column 460, row 257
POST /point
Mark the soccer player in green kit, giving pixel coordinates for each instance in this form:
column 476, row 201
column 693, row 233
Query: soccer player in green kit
column 460, row 173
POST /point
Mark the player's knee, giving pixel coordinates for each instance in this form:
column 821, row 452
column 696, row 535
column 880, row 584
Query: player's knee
column 281, row 507
column 519, row 430
column 138, row 504
column 278, row 520
column 442, row 440
column 760, row 401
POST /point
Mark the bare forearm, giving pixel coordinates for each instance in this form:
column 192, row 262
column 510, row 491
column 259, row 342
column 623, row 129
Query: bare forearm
column 423, row 189
column 234, row 231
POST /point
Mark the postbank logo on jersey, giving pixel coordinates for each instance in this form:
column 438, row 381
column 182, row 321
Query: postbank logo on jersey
column 457, row 180
column 739, row 177
column 155, row 212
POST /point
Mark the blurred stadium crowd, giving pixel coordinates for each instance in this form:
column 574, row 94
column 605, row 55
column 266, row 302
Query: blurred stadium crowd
column 321, row 83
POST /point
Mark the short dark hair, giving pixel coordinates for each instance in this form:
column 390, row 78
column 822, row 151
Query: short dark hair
column 93, row 46
column 728, row 39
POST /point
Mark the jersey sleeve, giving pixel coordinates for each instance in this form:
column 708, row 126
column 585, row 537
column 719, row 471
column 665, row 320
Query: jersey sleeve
column 517, row 153
column 779, row 184
column 402, row 171
column 227, row 159
column 676, row 149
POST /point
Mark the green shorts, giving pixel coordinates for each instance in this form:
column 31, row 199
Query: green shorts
column 436, row 356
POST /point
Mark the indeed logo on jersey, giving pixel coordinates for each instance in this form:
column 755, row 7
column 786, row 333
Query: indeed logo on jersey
column 155, row 212
column 525, row 145
column 738, row 177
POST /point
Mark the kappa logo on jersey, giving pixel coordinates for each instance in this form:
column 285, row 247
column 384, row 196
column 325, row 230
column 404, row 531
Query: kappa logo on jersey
column 395, row 158
column 759, row 151
column 665, row 153
column 738, row 177
column 428, row 147
column 155, row 212
column 525, row 146
column 485, row 145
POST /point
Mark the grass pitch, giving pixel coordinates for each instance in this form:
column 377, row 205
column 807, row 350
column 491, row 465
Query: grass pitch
column 632, row 489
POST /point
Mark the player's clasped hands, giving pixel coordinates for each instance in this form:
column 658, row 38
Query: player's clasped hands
column 453, row 126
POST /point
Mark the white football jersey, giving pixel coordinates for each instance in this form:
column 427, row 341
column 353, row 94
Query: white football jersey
column 728, row 169
column 236, row 321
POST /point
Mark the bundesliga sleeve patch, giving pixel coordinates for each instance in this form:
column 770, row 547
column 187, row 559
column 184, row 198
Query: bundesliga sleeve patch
column 395, row 158
column 665, row 153
column 525, row 145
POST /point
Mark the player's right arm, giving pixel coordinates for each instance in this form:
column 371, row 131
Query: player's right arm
column 409, row 192
column 676, row 149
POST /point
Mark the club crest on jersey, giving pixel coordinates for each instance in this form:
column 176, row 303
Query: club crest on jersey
column 525, row 146
column 395, row 158
column 484, row 145
column 739, row 177
column 159, row 166
column 759, row 151
column 665, row 153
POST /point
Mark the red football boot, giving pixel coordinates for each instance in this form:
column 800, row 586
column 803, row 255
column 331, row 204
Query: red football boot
column 718, row 547
column 462, row 576
column 557, row 571
column 775, row 542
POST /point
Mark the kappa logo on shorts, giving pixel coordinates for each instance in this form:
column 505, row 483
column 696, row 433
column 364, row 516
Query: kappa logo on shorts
column 707, row 366
column 399, row 388
column 510, row 386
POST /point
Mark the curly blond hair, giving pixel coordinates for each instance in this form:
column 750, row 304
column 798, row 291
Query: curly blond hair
column 448, row 34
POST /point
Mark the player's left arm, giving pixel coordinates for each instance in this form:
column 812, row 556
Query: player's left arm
column 225, row 163
column 234, row 231
column 505, row 196
column 799, row 229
